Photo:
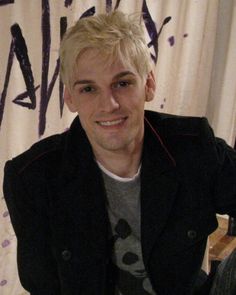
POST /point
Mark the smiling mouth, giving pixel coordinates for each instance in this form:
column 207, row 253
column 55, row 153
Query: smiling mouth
column 111, row 123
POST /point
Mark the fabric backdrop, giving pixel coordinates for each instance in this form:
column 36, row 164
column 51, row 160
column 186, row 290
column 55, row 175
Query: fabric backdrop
column 195, row 70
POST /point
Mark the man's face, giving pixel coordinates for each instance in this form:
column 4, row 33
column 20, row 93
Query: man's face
column 109, row 99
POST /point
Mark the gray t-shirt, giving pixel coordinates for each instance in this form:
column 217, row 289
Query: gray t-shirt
column 124, row 212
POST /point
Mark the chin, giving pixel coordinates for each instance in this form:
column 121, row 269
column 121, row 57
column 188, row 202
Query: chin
column 114, row 145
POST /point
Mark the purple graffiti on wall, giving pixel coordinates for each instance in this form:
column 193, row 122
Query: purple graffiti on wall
column 151, row 29
column 21, row 52
column 5, row 2
column 68, row 3
column 18, row 49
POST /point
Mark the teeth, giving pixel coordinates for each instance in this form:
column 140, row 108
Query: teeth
column 110, row 123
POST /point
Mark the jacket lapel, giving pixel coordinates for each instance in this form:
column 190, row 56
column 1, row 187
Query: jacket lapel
column 158, row 189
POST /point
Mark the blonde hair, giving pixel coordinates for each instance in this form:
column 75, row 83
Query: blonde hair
column 115, row 35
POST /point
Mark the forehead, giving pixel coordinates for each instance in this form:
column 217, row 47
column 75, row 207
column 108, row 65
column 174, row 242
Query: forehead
column 93, row 63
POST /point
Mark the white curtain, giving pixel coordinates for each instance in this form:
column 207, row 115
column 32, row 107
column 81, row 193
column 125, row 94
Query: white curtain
column 195, row 72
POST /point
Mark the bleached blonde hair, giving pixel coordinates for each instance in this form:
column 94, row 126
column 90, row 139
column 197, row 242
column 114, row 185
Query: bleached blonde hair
column 114, row 35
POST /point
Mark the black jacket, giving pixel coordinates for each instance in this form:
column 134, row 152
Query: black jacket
column 57, row 203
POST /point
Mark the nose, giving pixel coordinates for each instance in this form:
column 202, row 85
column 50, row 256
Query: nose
column 108, row 102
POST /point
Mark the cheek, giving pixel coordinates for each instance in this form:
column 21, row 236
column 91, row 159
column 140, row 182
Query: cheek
column 133, row 99
column 86, row 113
column 84, row 107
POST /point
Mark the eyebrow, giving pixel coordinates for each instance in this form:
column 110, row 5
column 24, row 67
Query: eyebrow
column 117, row 76
column 122, row 74
column 83, row 82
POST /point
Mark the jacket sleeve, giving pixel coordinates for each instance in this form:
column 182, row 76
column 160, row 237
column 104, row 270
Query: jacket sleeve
column 225, row 180
column 221, row 158
column 36, row 266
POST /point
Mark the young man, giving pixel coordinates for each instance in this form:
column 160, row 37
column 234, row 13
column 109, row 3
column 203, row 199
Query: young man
column 123, row 202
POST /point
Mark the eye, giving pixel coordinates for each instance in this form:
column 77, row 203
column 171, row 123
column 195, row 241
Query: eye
column 122, row 84
column 87, row 89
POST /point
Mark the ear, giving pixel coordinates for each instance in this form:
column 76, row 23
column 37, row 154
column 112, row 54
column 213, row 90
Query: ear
column 68, row 99
column 150, row 87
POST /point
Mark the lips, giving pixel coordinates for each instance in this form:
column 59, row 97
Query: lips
column 111, row 122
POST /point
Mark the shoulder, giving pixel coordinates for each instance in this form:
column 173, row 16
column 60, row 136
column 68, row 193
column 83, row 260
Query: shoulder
column 184, row 137
column 45, row 153
column 178, row 125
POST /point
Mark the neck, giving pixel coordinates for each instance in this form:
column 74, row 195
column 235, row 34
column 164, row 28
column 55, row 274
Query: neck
column 120, row 164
